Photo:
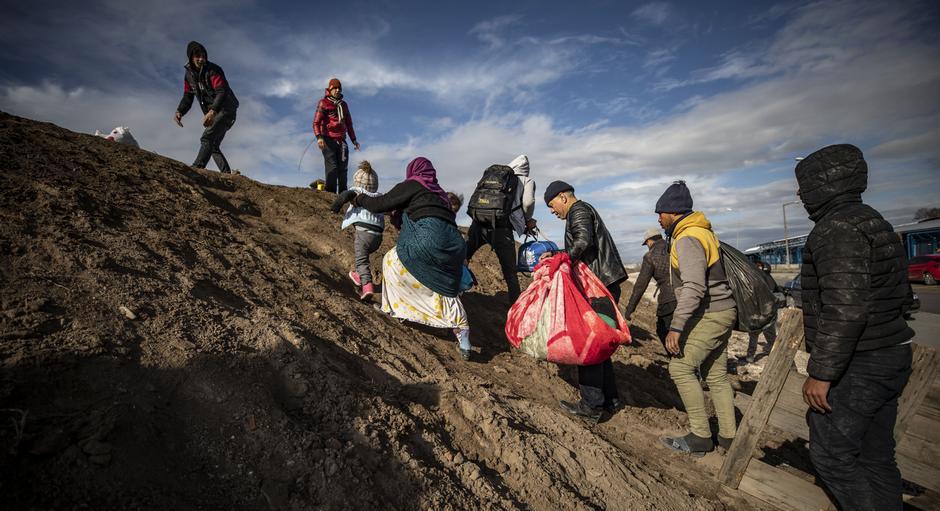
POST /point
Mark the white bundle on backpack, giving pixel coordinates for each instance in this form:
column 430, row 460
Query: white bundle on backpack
column 121, row 135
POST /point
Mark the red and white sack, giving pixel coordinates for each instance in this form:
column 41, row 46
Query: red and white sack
column 553, row 319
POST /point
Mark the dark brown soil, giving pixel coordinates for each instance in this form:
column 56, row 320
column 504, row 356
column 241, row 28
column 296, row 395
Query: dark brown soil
column 173, row 338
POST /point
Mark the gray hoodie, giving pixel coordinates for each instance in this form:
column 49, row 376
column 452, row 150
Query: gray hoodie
column 525, row 194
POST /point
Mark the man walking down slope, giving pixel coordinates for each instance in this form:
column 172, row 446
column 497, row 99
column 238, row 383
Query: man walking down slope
column 206, row 82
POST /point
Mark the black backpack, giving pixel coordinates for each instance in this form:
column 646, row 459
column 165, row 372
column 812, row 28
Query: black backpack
column 493, row 197
column 753, row 297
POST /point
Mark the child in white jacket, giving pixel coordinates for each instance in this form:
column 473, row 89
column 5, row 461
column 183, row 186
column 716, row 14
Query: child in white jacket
column 368, row 226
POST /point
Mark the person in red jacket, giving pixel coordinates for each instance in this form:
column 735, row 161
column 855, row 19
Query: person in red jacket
column 330, row 125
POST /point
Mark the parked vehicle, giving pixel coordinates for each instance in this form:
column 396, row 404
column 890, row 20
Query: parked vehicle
column 793, row 292
column 924, row 268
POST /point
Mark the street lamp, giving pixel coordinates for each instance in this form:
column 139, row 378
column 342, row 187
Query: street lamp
column 786, row 233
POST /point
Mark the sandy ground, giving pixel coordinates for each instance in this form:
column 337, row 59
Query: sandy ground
column 177, row 339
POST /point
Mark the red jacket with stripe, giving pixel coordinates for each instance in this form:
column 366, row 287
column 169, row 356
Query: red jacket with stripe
column 210, row 87
column 326, row 121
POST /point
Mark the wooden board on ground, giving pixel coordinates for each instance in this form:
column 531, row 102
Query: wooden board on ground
column 778, row 401
column 764, row 398
column 784, row 420
column 781, row 489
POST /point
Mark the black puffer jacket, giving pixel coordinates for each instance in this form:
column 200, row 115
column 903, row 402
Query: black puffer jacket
column 208, row 85
column 854, row 277
column 587, row 240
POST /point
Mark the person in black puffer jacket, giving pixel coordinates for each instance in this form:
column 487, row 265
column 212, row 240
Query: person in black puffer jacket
column 205, row 81
column 855, row 294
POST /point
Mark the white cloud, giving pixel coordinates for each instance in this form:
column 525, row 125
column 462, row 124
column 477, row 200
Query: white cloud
column 835, row 72
column 653, row 12
column 492, row 32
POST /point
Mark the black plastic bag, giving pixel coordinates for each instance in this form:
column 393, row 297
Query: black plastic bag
column 755, row 301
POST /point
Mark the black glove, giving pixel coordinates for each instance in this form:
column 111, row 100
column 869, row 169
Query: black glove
column 341, row 199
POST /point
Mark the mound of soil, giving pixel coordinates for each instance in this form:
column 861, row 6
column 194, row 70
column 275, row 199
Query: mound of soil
column 173, row 338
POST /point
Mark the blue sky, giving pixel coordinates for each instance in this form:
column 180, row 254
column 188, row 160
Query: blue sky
column 618, row 98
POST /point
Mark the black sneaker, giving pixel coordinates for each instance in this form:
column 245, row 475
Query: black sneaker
column 724, row 443
column 690, row 444
column 613, row 406
column 582, row 410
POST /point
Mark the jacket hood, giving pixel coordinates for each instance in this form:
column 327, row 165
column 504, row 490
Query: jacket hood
column 194, row 47
column 520, row 166
column 693, row 219
column 831, row 176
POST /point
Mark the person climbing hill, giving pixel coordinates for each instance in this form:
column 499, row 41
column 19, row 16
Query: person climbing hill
column 421, row 275
column 368, row 226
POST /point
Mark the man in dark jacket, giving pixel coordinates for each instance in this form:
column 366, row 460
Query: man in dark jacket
column 656, row 266
column 331, row 123
column 587, row 240
column 498, row 233
column 855, row 293
column 205, row 81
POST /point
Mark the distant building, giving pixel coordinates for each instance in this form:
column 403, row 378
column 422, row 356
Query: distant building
column 919, row 238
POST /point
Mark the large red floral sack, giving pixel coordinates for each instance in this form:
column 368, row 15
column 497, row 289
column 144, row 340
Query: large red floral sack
column 554, row 319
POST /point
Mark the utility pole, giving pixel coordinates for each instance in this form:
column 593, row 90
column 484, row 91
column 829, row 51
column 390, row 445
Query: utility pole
column 786, row 232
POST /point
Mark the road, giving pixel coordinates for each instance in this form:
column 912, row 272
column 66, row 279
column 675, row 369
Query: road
column 929, row 297
column 926, row 323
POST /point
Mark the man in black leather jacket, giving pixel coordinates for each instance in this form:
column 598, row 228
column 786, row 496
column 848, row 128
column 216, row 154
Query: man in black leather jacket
column 855, row 293
column 587, row 240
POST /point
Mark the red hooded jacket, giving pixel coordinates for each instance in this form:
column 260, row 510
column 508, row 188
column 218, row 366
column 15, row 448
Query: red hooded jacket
column 327, row 123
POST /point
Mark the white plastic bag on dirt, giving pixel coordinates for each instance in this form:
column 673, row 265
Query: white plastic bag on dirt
column 121, row 135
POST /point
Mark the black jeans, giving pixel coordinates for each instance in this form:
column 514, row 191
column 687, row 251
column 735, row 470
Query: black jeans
column 335, row 164
column 503, row 244
column 852, row 448
column 597, row 382
column 211, row 142
column 663, row 320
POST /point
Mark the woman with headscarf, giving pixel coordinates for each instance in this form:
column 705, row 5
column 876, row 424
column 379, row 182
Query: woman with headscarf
column 422, row 274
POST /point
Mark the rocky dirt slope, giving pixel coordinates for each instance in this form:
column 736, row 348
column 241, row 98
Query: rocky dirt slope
column 174, row 339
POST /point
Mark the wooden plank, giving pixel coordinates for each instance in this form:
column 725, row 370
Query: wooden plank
column 923, row 375
column 918, row 449
column 926, row 475
column 780, row 418
column 928, row 412
column 790, row 422
column 764, row 397
column 923, row 428
column 781, row 489
column 794, row 384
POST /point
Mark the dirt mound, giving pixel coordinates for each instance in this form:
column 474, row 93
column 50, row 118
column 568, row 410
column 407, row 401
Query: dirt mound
column 172, row 338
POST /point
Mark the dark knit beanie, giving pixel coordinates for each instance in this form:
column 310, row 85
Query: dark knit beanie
column 334, row 82
column 676, row 199
column 556, row 187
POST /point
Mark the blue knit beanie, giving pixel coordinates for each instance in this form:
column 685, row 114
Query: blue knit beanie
column 676, row 199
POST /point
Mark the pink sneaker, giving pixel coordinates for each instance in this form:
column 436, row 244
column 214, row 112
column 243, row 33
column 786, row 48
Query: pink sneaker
column 367, row 291
column 353, row 276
